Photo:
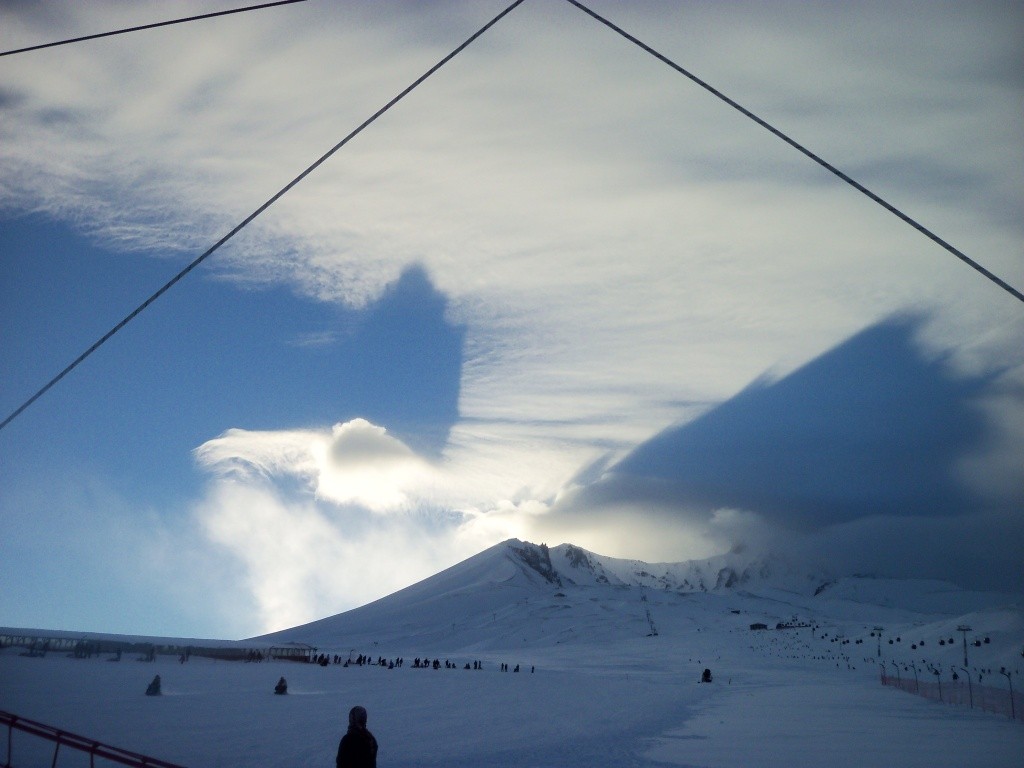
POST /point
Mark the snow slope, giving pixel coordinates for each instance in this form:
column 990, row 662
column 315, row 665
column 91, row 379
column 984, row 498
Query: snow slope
column 617, row 655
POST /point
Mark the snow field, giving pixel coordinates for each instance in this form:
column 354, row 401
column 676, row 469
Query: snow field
column 607, row 692
column 810, row 719
column 225, row 714
column 628, row 711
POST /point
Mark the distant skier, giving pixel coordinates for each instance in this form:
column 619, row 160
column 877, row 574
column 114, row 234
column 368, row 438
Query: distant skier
column 358, row 747
column 706, row 677
column 282, row 687
column 154, row 687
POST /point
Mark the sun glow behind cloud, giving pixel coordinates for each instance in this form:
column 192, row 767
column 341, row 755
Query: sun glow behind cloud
column 338, row 517
column 364, row 465
column 356, row 462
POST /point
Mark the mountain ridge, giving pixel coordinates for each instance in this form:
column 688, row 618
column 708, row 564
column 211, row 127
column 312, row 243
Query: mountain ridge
column 739, row 568
column 550, row 596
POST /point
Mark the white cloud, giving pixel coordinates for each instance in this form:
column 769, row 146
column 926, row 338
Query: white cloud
column 364, row 465
column 304, row 560
column 610, row 248
column 355, row 463
column 287, row 549
column 304, row 513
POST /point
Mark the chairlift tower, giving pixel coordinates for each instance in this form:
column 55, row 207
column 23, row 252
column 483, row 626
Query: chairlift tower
column 964, row 629
column 1009, row 679
column 647, row 612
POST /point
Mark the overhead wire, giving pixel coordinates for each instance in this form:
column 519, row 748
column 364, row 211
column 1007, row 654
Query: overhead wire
column 804, row 150
column 323, row 158
column 141, row 27
column 245, row 222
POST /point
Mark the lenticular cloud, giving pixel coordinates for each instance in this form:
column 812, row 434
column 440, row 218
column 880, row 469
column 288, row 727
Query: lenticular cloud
column 356, row 463
column 363, row 464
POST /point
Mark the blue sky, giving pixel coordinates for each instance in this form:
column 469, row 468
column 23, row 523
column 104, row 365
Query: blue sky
column 558, row 293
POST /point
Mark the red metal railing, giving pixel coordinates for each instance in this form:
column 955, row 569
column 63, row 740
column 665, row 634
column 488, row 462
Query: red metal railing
column 80, row 743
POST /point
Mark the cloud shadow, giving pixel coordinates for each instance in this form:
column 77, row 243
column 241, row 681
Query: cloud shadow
column 871, row 427
column 402, row 364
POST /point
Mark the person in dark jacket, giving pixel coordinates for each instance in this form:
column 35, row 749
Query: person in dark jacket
column 358, row 748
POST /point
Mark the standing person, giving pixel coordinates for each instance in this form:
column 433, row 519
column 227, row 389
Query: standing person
column 358, row 748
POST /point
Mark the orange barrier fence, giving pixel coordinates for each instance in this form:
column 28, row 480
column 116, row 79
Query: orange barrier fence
column 93, row 748
column 962, row 692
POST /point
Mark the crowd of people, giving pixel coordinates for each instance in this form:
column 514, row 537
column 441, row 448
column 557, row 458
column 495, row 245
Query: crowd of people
column 363, row 660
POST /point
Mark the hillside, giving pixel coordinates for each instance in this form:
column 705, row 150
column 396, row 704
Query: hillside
column 518, row 595
column 611, row 652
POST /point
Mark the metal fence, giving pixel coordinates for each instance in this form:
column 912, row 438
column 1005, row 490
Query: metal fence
column 47, row 733
column 962, row 692
column 86, row 646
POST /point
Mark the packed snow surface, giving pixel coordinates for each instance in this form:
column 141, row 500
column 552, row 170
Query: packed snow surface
column 609, row 653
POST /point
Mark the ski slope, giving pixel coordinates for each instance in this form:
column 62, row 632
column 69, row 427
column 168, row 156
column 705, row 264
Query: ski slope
column 616, row 676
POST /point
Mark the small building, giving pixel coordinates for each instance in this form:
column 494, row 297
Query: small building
column 293, row 652
column 758, row 625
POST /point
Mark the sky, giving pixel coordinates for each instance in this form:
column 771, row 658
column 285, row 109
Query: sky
column 558, row 293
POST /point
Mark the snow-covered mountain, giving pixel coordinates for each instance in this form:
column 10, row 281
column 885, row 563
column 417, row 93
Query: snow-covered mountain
column 517, row 594
column 618, row 647
column 738, row 569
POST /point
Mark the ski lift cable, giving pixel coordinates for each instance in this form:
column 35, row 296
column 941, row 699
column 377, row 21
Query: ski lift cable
column 804, row 150
column 248, row 219
column 154, row 25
